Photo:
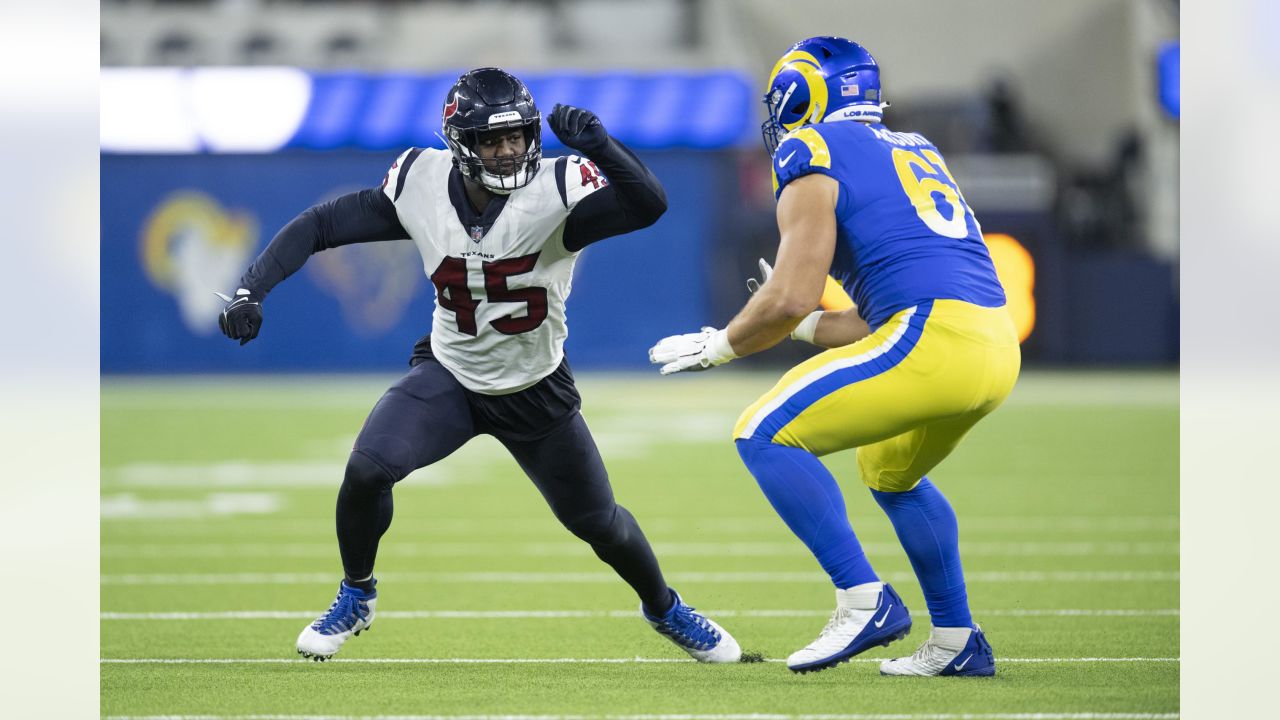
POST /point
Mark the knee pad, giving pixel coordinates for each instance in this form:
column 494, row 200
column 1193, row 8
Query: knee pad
column 367, row 476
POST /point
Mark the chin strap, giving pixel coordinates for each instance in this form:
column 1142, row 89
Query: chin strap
column 487, row 180
column 494, row 183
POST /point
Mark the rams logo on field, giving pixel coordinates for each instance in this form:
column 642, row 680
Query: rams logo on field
column 373, row 282
column 192, row 246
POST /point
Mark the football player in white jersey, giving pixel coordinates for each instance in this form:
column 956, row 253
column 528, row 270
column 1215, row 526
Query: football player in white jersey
column 499, row 229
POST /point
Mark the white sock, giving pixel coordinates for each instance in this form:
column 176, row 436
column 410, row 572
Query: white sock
column 951, row 638
column 860, row 597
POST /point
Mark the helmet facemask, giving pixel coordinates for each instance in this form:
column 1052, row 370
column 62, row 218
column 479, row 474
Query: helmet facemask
column 771, row 129
column 499, row 175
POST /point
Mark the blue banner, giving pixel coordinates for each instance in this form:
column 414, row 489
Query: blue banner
column 642, row 110
column 263, row 110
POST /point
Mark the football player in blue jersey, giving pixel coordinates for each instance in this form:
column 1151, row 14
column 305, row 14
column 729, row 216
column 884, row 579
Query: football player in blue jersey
column 927, row 351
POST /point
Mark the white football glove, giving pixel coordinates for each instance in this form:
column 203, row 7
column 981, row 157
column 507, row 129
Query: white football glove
column 692, row 351
column 766, row 272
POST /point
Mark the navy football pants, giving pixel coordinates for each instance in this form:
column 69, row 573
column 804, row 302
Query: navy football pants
column 428, row 414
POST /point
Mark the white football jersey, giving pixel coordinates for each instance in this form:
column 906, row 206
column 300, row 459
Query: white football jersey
column 499, row 322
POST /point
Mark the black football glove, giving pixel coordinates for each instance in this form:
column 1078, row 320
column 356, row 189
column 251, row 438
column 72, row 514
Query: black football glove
column 241, row 319
column 577, row 128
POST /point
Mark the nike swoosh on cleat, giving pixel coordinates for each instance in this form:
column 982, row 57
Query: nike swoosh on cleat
column 880, row 623
column 783, row 162
column 960, row 666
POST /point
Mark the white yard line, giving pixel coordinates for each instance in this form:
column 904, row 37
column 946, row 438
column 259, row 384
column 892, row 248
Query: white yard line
column 558, row 614
column 268, row 475
column 559, row 661
column 663, row 549
column 690, row 716
column 526, row 578
column 128, row 506
column 534, row 528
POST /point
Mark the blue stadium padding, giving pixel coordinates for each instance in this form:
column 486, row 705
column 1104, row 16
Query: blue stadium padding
column 1123, row 309
column 627, row 292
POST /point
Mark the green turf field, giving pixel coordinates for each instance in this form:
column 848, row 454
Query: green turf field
column 218, row 547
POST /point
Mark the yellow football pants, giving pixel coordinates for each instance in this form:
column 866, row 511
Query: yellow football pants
column 905, row 396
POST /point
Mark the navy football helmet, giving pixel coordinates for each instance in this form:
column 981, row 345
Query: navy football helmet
column 491, row 99
column 818, row 80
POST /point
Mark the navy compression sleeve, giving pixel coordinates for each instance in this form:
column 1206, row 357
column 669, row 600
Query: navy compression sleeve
column 359, row 217
column 634, row 199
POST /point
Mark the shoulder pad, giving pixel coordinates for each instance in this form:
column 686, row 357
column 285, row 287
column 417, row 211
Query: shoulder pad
column 801, row 152
column 576, row 178
column 393, row 182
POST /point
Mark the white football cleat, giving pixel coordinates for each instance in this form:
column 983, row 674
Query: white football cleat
column 695, row 633
column 948, row 651
column 865, row 617
column 350, row 614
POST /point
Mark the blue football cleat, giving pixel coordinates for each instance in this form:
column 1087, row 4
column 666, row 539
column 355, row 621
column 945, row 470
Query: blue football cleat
column 853, row 629
column 938, row 656
column 350, row 614
column 695, row 633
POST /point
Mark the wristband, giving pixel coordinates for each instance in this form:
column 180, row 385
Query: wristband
column 807, row 328
column 719, row 351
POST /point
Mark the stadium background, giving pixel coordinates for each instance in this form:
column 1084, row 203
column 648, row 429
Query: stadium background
column 221, row 120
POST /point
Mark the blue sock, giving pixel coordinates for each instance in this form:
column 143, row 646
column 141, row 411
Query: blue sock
column 926, row 527
column 806, row 496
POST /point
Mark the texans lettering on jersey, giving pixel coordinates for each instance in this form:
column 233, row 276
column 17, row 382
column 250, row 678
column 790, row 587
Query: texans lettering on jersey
column 499, row 322
column 904, row 234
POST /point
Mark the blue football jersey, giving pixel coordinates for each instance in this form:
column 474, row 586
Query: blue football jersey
column 904, row 234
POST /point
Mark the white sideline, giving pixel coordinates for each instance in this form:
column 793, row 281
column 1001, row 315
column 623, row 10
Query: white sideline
column 628, row 614
column 556, row 661
column 608, row 577
column 699, row 716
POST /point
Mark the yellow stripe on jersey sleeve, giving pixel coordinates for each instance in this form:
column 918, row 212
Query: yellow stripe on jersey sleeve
column 816, row 144
column 820, row 154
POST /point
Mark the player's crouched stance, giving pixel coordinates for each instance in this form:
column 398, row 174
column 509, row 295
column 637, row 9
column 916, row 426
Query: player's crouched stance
column 499, row 230
column 925, row 352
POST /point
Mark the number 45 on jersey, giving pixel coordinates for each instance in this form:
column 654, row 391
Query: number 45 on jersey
column 453, row 293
